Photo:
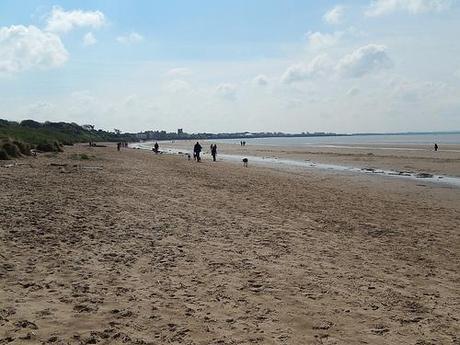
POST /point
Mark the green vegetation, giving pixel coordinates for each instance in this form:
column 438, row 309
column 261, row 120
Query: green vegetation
column 3, row 155
column 17, row 139
column 15, row 148
column 34, row 133
column 23, row 147
column 12, row 149
column 81, row 156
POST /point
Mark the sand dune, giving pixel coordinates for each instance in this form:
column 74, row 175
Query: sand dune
column 135, row 248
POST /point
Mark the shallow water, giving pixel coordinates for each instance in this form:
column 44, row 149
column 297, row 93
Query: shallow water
column 423, row 141
column 287, row 163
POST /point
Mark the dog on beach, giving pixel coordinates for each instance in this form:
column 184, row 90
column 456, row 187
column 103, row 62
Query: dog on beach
column 245, row 162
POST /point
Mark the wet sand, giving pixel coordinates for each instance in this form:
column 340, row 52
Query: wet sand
column 135, row 248
column 415, row 158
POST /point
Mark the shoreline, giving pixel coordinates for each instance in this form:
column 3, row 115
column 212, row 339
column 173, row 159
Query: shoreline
column 279, row 162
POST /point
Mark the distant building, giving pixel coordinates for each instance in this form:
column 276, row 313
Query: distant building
column 180, row 131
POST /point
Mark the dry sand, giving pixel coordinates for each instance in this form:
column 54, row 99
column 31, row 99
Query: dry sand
column 154, row 249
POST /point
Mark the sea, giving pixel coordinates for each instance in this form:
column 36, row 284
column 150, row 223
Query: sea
column 392, row 140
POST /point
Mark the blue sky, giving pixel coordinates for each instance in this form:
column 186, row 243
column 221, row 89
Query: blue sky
column 345, row 66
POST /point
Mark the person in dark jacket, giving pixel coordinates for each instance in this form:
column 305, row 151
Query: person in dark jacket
column 197, row 151
column 214, row 152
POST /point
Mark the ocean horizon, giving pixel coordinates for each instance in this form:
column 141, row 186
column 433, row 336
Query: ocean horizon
column 355, row 139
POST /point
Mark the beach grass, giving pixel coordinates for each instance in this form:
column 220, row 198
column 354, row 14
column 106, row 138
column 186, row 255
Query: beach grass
column 18, row 139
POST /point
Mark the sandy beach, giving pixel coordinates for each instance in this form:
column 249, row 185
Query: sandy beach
column 135, row 248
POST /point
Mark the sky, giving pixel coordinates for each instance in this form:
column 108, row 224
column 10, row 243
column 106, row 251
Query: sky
column 233, row 65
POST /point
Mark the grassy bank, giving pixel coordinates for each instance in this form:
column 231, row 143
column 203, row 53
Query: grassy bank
column 19, row 138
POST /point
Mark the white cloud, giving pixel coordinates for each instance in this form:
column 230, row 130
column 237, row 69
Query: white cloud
column 130, row 38
column 353, row 91
column 364, row 60
column 130, row 101
column 40, row 108
column 27, row 47
column 179, row 72
column 89, row 39
column 334, row 16
column 64, row 21
column 226, row 90
column 260, row 80
column 83, row 97
column 317, row 40
column 382, row 7
column 413, row 92
column 177, row 85
column 295, row 73
column 84, row 105
column 319, row 66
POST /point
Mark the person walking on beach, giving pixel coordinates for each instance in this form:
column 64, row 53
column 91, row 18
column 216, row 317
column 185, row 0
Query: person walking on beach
column 118, row 146
column 214, row 152
column 197, row 151
column 156, row 147
column 436, row 147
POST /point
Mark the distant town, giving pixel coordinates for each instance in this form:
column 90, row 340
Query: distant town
column 181, row 135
